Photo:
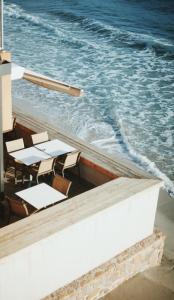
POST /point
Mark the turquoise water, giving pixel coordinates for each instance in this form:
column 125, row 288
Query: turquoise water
column 121, row 53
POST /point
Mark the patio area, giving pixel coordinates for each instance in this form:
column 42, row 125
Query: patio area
column 32, row 166
column 78, row 186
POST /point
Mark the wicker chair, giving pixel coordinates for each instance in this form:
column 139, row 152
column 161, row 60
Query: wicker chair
column 15, row 145
column 43, row 168
column 61, row 184
column 10, row 134
column 19, row 208
column 38, row 138
column 12, row 146
column 71, row 160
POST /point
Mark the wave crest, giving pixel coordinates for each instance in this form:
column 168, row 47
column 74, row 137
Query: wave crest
column 15, row 11
column 145, row 163
column 114, row 35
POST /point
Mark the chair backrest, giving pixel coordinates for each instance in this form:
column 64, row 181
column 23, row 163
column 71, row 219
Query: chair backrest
column 17, row 207
column 72, row 159
column 61, row 184
column 46, row 166
column 39, row 137
column 15, row 145
column 14, row 122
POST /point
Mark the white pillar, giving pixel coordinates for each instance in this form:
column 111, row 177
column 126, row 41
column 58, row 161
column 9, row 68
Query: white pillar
column 5, row 110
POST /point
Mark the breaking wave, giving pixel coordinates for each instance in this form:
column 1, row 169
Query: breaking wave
column 140, row 41
column 112, row 34
column 145, row 163
column 17, row 12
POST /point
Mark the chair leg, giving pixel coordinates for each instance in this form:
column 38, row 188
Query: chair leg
column 16, row 181
column 23, row 178
column 37, row 179
column 5, row 170
column 5, row 173
column 15, row 134
column 78, row 170
column 30, row 180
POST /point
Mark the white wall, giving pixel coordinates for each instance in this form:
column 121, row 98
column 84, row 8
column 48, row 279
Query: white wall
column 55, row 261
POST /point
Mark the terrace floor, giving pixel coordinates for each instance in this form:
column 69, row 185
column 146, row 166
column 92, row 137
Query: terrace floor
column 78, row 186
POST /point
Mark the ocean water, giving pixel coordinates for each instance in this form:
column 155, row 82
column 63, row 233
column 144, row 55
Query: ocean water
column 121, row 52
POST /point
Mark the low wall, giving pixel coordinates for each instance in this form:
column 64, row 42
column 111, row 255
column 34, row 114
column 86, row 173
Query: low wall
column 59, row 245
column 102, row 280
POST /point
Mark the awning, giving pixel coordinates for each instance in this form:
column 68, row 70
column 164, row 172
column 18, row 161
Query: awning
column 19, row 72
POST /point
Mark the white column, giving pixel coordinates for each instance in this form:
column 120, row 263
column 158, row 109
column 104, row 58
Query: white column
column 5, row 111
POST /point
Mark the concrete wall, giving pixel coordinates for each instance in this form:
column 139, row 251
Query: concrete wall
column 107, row 277
column 93, row 173
column 114, row 217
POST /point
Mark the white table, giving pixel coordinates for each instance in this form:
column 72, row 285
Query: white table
column 41, row 195
column 55, row 147
column 30, row 155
